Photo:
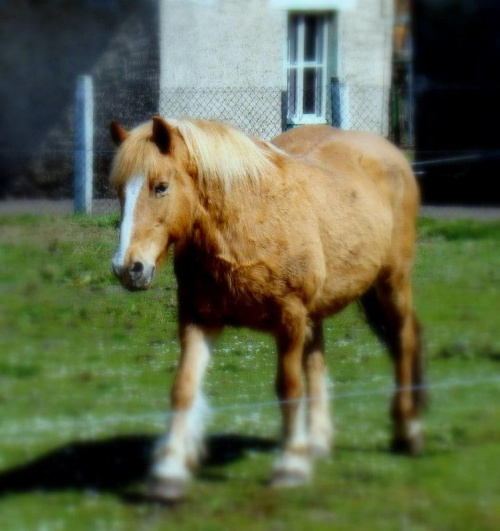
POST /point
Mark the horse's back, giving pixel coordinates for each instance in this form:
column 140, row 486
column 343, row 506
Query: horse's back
column 355, row 155
column 360, row 158
column 309, row 141
column 373, row 195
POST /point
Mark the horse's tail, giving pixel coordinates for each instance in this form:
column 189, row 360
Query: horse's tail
column 376, row 318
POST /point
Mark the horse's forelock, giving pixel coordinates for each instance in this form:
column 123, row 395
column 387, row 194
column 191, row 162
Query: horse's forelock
column 136, row 156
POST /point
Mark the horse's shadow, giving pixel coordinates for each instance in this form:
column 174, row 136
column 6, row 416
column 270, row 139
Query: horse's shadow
column 115, row 464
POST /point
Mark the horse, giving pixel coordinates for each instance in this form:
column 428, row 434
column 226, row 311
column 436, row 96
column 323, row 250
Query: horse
column 274, row 236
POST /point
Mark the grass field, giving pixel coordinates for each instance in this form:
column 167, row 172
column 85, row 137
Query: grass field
column 85, row 370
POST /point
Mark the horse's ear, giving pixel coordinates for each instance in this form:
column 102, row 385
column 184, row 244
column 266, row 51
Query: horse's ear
column 118, row 133
column 161, row 134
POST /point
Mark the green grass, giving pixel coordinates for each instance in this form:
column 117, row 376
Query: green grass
column 85, row 370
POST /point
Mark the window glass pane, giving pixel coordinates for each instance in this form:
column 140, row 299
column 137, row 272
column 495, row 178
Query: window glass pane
column 313, row 38
column 320, row 40
column 292, row 93
column 309, row 101
column 319, row 92
column 293, row 29
column 313, row 91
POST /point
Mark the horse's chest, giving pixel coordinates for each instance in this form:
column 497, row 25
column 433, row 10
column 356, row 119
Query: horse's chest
column 223, row 296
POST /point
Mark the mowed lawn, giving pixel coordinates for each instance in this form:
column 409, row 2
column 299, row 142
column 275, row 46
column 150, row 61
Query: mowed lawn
column 85, row 372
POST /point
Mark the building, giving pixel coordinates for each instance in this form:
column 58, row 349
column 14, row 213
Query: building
column 46, row 45
column 263, row 65
column 268, row 64
column 456, row 68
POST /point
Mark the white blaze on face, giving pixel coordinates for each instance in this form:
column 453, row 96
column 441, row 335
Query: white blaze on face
column 132, row 190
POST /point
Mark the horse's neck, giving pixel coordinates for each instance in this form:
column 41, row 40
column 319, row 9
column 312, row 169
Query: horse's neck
column 224, row 222
column 206, row 235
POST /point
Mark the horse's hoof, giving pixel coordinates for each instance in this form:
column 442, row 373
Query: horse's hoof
column 168, row 491
column 292, row 470
column 319, row 450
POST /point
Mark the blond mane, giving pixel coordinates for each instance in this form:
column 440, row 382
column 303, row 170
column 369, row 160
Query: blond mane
column 221, row 153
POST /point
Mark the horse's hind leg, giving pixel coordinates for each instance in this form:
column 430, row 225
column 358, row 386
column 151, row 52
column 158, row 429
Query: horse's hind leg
column 389, row 309
column 293, row 466
column 320, row 423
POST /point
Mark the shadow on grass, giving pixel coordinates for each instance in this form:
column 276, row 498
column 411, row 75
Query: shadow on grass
column 113, row 465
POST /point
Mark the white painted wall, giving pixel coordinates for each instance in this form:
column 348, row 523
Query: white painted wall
column 215, row 54
column 366, row 62
column 225, row 59
column 222, row 43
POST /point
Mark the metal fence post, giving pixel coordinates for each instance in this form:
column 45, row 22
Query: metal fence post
column 340, row 104
column 335, row 92
column 84, row 135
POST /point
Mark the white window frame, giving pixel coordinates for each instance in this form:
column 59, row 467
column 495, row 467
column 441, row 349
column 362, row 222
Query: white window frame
column 310, row 5
column 300, row 117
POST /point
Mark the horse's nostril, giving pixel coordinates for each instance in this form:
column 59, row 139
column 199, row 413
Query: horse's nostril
column 137, row 267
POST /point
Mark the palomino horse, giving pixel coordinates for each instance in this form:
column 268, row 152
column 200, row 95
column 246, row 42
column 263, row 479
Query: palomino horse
column 275, row 237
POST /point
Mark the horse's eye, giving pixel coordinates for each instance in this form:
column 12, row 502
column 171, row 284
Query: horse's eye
column 161, row 189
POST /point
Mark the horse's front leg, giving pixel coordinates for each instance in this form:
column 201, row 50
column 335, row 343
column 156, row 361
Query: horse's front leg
column 293, row 466
column 182, row 448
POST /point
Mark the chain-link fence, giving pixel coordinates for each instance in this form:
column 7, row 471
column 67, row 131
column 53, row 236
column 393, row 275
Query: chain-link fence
column 264, row 112
column 402, row 130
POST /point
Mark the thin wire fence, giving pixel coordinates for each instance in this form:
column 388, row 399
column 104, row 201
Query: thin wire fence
column 39, row 425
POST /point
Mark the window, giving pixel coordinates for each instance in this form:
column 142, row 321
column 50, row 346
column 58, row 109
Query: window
column 307, row 67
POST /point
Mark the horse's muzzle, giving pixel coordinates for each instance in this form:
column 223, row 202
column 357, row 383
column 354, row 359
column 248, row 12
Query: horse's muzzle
column 138, row 276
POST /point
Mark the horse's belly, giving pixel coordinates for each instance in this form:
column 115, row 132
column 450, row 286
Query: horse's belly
column 352, row 265
column 337, row 294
